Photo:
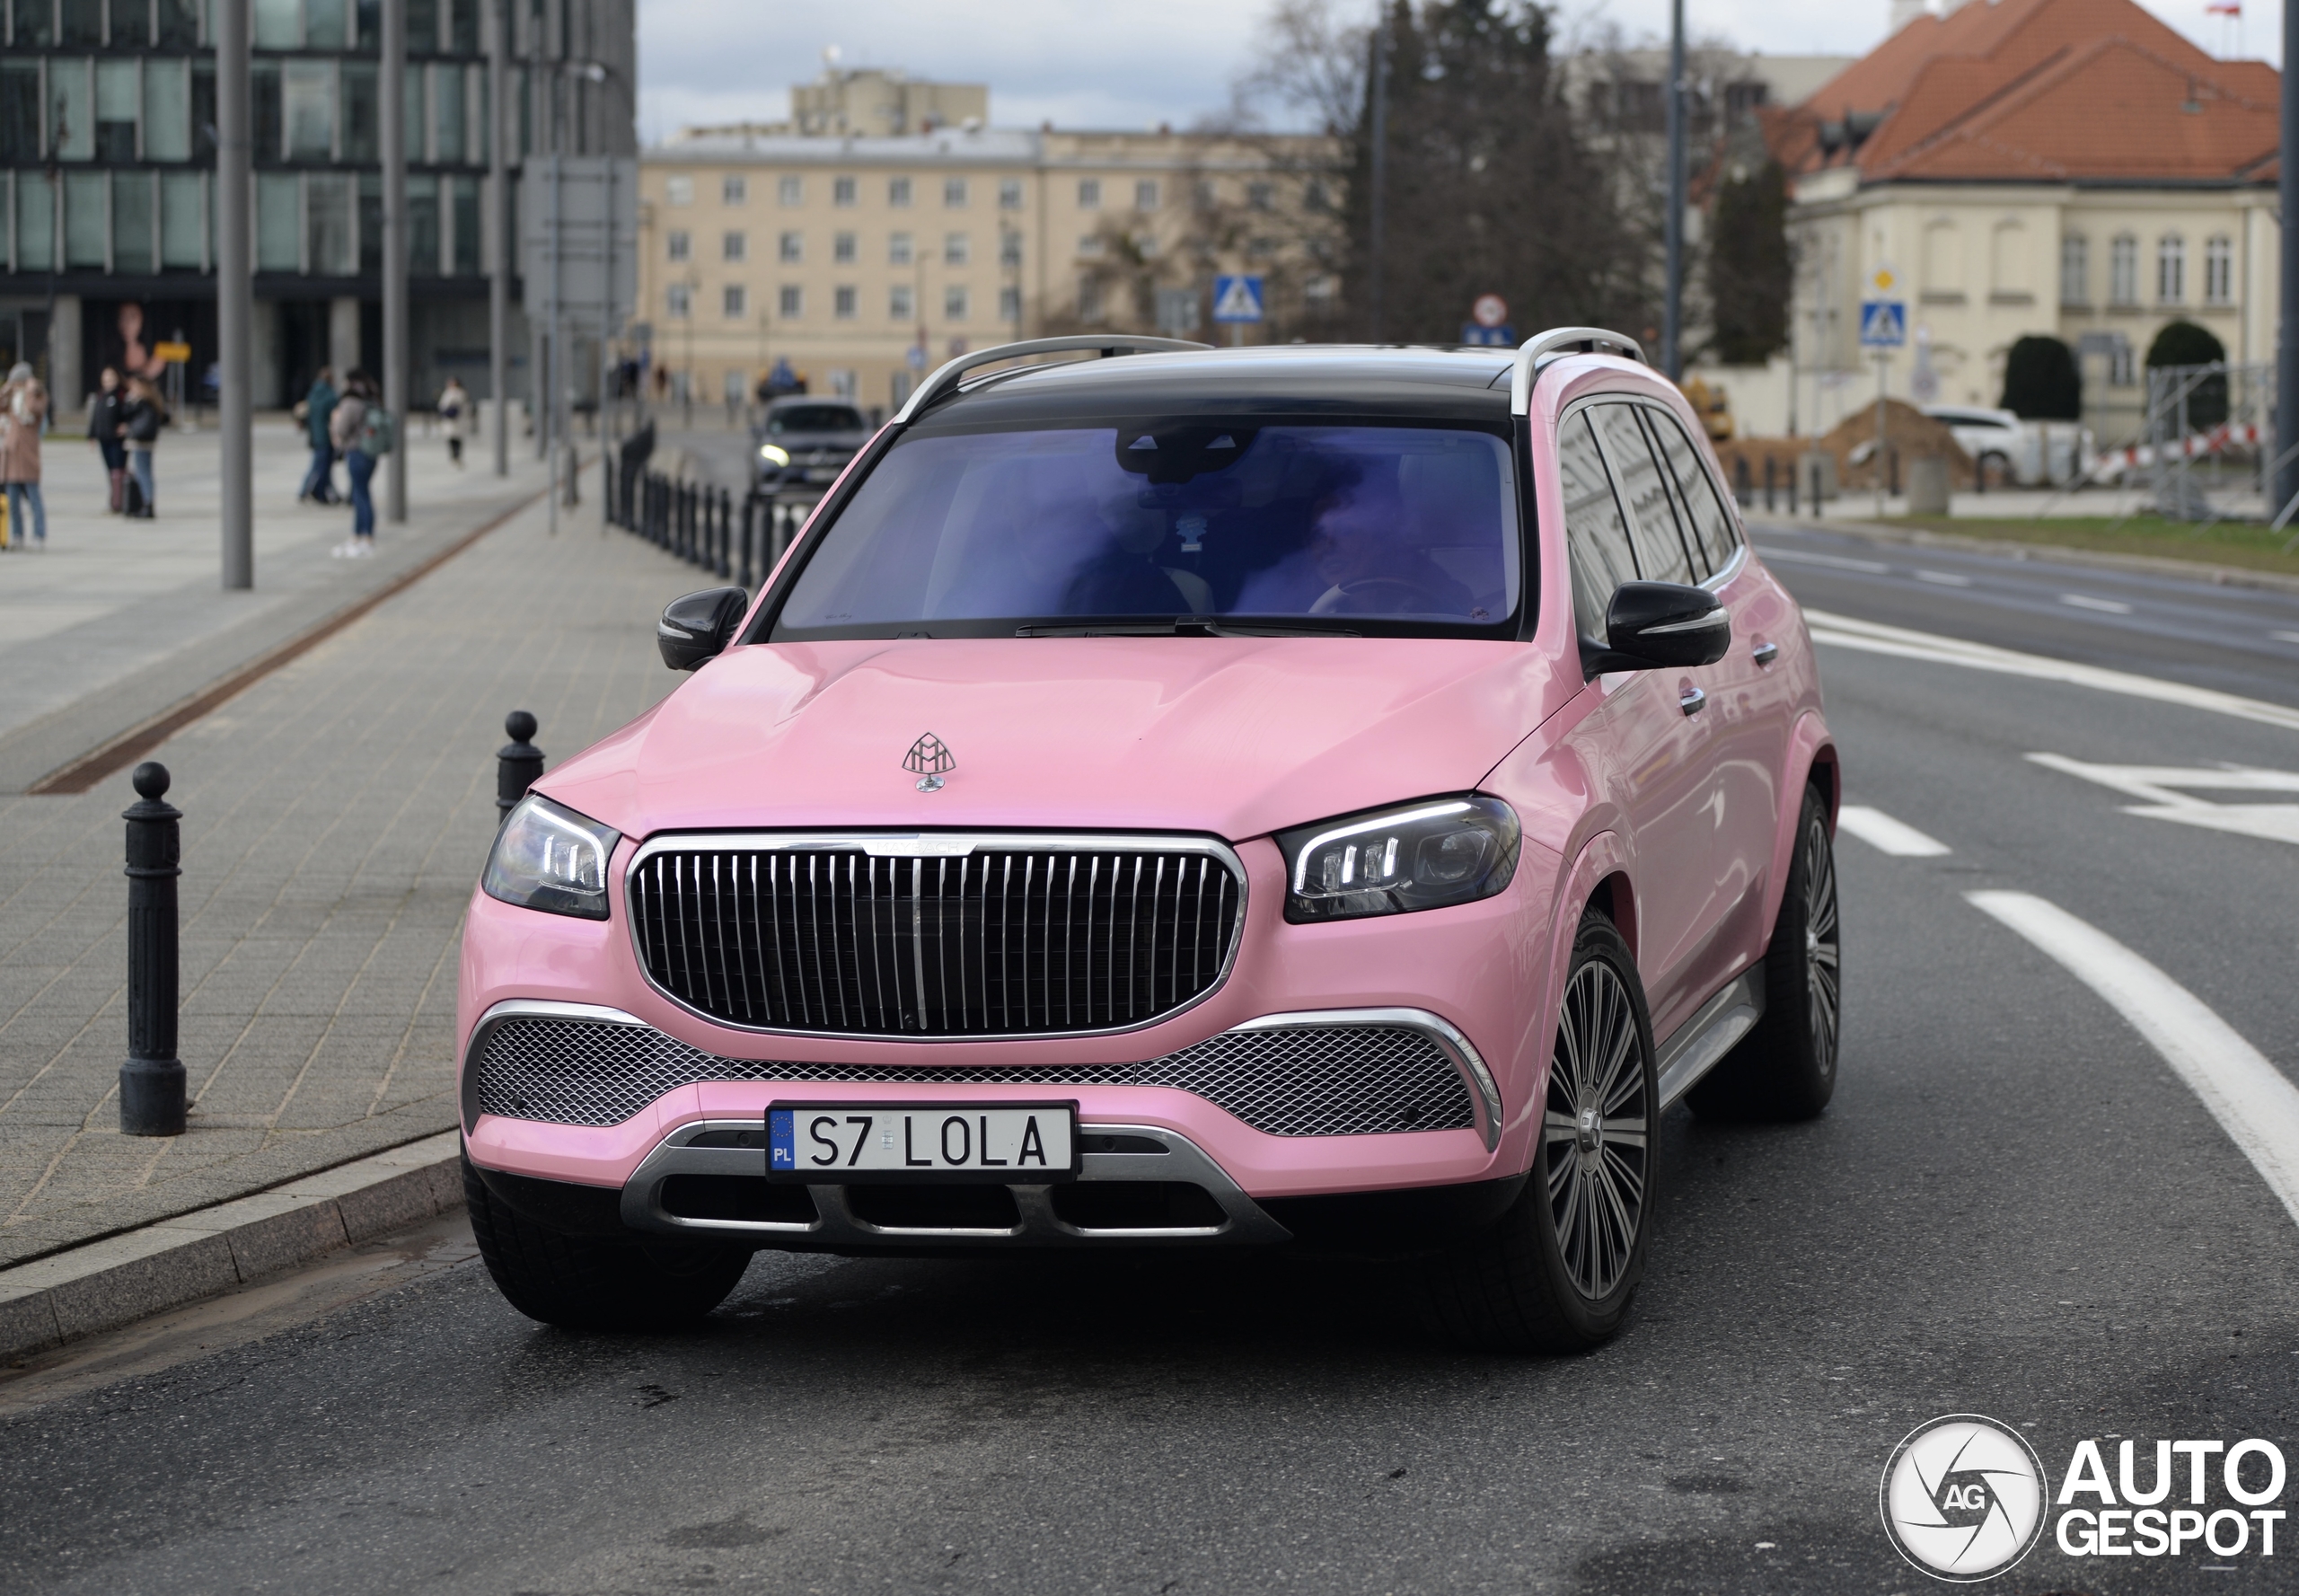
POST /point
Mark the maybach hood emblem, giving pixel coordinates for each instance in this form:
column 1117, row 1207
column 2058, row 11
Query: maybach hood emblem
column 930, row 759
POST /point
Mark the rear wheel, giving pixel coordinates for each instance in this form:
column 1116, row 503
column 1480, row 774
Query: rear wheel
column 597, row 1283
column 1784, row 1068
column 1557, row 1272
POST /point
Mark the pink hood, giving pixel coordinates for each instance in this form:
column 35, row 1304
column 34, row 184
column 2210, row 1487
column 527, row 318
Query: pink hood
column 1232, row 735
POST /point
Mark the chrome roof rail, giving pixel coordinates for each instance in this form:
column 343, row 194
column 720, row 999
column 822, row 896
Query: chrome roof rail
column 1542, row 348
column 947, row 377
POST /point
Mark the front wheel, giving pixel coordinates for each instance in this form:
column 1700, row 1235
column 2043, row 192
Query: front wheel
column 1557, row 1272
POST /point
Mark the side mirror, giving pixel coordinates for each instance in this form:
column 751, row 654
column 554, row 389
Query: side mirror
column 696, row 628
column 1659, row 625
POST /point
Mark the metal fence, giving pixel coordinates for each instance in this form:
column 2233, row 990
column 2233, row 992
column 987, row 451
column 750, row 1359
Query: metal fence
column 2209, row 439
column 735, row 539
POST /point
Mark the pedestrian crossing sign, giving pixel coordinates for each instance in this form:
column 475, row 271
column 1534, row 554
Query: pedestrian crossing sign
column 1883, row 323
column 1236, row 298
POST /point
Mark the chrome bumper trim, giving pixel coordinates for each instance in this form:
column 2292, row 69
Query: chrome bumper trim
column 1484, row 1093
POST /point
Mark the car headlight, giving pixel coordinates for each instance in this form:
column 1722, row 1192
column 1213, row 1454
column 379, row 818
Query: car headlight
column 551, row 858
column 1417, row 856
column 774, row 455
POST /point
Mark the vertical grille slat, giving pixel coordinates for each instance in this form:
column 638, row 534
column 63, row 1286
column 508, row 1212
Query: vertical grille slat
column 1006, row 939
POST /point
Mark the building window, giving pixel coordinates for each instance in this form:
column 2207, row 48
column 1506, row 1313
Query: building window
column 1009, row 194
column 2219, row 272
column 2123, row 270
column 957, row 249
column 1090, row 298
column 954, row 193
column 841, row 190
column 733, row 246
column 735, row 386
column 1010, row 304
column 731, row 301
column 845, row 381
column 898, row 250
column 677, row 300
column 793, row 248
column 791, row 190
column 1010, row 248
column 1089, row 246
column 2122, row 370
column 842, row 248
column 1261, row 195
column 734, row 191
column 678, row 190
column 900, row 305
column 841, row 303
column 898, row 191
column 2075, row 270
column 1089, row 193
column 1204, row 195
column 2172, row 270
column 954, row 303
column 679, row 244
column 793, row 301
column 1145, row 194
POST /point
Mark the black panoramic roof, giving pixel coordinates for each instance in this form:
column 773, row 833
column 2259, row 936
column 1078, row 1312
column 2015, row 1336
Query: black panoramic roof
column 1285, row 379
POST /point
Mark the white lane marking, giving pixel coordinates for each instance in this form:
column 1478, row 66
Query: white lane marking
column 1880, row 831
column 1871, row 638
column 2252, row 1100
column 1874, row 567
column 2164, row 788
column 2287, row 637
column 2106, row 606
column 1943, row 578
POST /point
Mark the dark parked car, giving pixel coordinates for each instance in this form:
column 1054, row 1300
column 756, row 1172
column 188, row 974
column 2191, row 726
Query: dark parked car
column 805, row 442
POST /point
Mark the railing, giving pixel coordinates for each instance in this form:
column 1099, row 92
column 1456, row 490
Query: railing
column 735, row 539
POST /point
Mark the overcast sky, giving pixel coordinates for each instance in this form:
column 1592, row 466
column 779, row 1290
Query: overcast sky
column 1112, row 64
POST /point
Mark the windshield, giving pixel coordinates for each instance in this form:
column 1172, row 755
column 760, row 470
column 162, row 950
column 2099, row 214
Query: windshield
column 813, row 417
column 980, row 533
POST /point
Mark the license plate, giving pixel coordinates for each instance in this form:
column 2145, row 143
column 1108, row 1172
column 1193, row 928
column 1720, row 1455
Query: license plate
column 880, row 1142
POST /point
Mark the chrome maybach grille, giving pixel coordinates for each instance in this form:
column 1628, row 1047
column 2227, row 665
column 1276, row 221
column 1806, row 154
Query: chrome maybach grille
column 1325, row 1080
column 1003, row 938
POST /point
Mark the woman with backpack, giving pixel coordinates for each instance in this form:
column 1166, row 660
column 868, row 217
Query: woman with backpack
column 142, row 423
column 360, row 432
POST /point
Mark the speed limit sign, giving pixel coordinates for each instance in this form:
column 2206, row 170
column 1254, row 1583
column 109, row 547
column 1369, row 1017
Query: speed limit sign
column 1490, row 310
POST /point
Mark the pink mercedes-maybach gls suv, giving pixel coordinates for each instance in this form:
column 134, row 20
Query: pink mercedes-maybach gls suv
column 1328, row 796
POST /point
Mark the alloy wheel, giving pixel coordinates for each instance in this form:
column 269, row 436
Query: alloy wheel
column 1820, row 977
column 1595, row 1127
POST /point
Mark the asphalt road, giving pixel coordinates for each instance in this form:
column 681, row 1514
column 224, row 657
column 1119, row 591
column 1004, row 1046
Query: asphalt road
column 2014, row 1207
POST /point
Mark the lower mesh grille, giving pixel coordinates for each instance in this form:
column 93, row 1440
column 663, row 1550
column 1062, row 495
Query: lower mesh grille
column 1337, row 1080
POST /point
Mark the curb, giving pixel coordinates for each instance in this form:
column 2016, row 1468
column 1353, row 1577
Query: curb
column 115, row 1282
column 2149, row 565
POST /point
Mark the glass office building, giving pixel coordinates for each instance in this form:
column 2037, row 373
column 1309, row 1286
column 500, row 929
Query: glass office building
column 107, row 177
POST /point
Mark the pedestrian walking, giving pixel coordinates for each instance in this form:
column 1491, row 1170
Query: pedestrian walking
column 455, row 404
column 318, row 407
column 23, row 410
column 142, row 423
column 107, row 418
column 361, row 429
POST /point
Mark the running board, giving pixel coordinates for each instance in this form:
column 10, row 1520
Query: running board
column 1700, row 1043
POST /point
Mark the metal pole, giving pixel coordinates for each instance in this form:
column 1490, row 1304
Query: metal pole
column 498, row 217
column 1377, row 222
column 550, row 398
column 1673, row 231
column 392, row 82
column 2286, row 355
column 152, row 1080
column 1880, row 359
column 234, row 295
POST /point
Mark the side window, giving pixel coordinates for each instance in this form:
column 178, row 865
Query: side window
column 1713, row 527
column 1596, row 538
column 1660, row 555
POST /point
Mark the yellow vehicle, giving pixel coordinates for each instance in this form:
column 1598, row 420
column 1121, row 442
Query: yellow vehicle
column 1715, row 412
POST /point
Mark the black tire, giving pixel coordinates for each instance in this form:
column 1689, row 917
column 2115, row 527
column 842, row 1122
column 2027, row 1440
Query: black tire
column 1784, row 1068
column 1556, row 1273
column 597, row 1283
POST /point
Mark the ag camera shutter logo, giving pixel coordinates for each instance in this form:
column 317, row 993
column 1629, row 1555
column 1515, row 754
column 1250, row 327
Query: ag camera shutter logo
column 1963, row 1497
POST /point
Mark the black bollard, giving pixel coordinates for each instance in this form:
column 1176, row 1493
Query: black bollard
column 750, row 502
column 517, row 764
column 152, row 1080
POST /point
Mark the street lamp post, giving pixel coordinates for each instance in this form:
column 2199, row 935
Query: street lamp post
column 234, row 295
column 1673, row 227
column 392, row 124
column 499, row 189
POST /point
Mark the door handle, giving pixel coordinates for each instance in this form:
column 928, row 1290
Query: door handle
column 1764, row 653
column 1692, row 700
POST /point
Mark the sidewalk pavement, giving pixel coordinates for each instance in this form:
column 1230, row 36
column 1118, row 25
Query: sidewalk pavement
column 336, row 813
column 116, row 620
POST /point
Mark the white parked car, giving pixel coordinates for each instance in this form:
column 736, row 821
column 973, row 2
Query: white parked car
column 2012, row 452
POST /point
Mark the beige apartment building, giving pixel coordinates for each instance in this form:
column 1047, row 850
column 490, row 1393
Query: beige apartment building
column 864, row 259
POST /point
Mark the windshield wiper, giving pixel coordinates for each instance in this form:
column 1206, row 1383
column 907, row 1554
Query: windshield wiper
column 1187, row 626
